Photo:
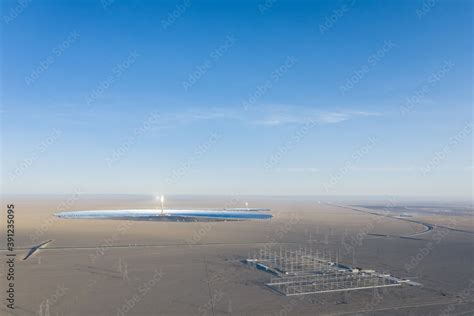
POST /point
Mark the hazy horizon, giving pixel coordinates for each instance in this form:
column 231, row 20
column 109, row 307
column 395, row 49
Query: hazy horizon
column 240, row 199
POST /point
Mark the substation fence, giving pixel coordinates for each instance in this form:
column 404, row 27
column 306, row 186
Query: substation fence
column 311, row 284
column 307, row 272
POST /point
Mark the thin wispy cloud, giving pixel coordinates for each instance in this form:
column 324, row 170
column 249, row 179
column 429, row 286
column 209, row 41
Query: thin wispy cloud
column 321, row 118
column 265, row 115
column 298, row 170
column 284, row 115
column 397, row 169
column 386, row 169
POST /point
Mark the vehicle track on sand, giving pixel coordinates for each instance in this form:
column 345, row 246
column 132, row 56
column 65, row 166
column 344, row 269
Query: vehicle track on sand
column 427, row 226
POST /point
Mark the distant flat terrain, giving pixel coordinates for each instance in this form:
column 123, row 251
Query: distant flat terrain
column 161, row 268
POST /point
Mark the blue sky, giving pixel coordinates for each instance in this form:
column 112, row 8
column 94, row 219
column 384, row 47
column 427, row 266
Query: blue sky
column 237, row 97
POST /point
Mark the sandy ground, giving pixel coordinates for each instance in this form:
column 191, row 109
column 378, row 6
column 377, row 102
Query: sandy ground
column 156, row 268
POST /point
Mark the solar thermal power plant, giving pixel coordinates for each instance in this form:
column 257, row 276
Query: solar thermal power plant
column 184, row 215
column 168, row 215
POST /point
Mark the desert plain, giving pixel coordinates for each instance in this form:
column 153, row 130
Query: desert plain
column 115, row 267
